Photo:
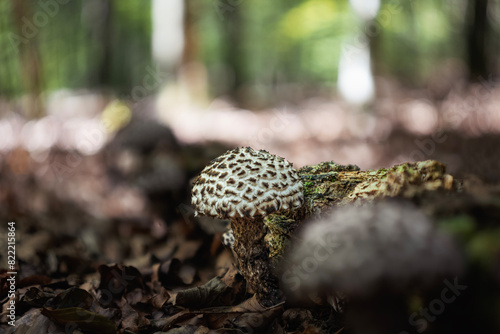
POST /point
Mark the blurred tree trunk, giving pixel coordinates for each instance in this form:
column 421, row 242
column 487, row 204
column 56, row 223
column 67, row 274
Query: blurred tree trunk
column 192, row 73
column 190, row 36
column 104, row 33
column 375, row 50
column 98, row 19
column 479, row 29
column 233, row 33
column 29, row 57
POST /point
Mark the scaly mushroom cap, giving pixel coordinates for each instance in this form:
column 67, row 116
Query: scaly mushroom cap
column 246, row 183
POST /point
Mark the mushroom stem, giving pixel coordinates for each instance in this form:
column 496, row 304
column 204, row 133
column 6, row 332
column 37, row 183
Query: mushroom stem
column 253, row 259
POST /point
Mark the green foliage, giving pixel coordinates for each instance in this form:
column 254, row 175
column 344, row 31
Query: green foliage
column 70, row 48
column 315, row 30
column 264, row 43
column 416, row 37
column 10, row 80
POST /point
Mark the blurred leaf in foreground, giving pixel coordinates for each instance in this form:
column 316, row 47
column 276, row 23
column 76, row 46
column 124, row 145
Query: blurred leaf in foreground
column 79, row 318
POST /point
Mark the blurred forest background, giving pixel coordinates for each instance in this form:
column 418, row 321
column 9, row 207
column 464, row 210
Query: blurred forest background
column 245, row 47
column 247, row 50
column 364, row 68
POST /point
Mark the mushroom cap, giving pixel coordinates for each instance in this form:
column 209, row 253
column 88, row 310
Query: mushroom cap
column 246, row 183
column 389, row 244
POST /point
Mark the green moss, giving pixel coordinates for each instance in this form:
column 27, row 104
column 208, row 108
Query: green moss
column 280, row 226
column 382, row 170
column 315, row 184
column 308, row 188
column 404, row 168
column 322, row 177
column 311, row 190
column 381, row 173
column 327, row 167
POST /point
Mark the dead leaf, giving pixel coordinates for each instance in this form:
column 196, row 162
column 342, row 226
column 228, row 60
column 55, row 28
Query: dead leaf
column 156, row 272
column 187, row 274
column 252, row 305
column 232, row 277
column 176, row 318
column 203, row 330
column 73, row 297
column 130, row 318
column 253, row 315
column 31, row 244
column 119, row 279
column 296, row 319
column 247, row 315
column 134, row 296
column 159, row 299
column 186, row 329
column 78, row 318
column 36, row 298
column 168, row 273
column 212, row 293
column 187, row 249
column 33, row 322
column 224, row 262
column 34, row 280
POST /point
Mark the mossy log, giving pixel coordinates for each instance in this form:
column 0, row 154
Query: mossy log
column 327, row 185
column 468, row 209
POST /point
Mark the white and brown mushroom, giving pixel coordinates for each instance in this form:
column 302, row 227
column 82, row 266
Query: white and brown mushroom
column 245, row 185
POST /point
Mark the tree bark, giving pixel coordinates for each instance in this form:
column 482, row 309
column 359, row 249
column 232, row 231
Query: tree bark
column 105, row 33
column 233, row 31
column 479, row 30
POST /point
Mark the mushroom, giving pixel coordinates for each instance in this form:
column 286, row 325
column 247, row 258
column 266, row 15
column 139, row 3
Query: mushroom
column 245, row 185
column 228, row 239
column 376, row 255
